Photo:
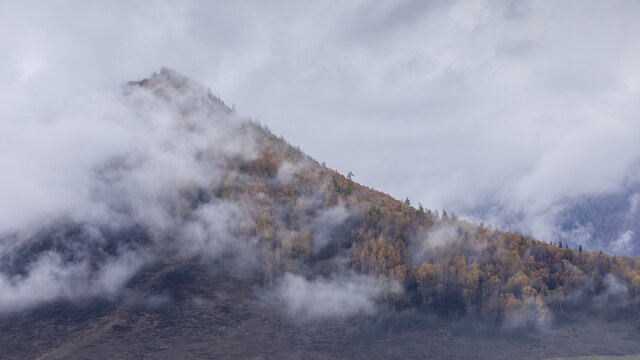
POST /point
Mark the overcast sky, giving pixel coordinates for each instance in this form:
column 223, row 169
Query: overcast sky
column 451, row 103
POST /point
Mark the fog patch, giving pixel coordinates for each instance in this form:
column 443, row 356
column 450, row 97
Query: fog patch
column 440, row 236
column 287, row 171
column 50, row 278
column 614, row 296
column 623, row 245
column 214, row 228
column 531, row 312
column 634, row 203
column 144, row 158
column 322, row 298
column 580, row 236
column 324, row 225
column 433, row 240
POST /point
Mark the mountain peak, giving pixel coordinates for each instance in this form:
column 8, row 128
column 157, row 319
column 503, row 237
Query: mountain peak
column 165, row 77
column 176, row 87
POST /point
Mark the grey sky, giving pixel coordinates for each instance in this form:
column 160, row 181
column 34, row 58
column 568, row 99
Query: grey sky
column 451, row 103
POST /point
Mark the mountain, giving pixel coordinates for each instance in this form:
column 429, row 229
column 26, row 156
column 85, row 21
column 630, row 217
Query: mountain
column 207, row 236
column 608, row 222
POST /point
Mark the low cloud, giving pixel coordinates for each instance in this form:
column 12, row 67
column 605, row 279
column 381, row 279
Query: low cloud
column 120, row 172
column 634, row 203
column 615, row 295
column 326, row 223
column 149, row 190
column 287, row 171
column 435, row 241
column 51, row 278
column 327, row 297
column 623, row 245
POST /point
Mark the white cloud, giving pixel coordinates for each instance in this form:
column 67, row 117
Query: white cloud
column 327, row 298
column 50, row 278
column 634, row 203
column 108, row 164
column 622, row 245
column 451, row 103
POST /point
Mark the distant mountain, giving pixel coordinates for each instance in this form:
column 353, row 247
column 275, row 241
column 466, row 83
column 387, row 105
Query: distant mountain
column 208, row 236
column 607, row 222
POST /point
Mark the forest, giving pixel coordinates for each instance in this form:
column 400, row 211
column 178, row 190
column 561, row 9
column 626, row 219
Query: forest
column 421, row 258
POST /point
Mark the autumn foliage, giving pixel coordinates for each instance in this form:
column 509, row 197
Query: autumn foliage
column 441, row 263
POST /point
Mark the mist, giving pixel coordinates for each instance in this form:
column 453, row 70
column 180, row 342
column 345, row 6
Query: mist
column 104, row 183
column 147, row 190
column 337, row 297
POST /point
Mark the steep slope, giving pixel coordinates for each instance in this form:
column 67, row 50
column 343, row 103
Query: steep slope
column 210, row 236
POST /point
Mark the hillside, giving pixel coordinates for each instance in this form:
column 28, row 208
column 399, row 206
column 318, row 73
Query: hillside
column 211, row 236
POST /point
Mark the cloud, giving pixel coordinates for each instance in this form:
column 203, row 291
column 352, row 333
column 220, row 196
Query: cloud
column 213, row 231
column 326, row 223
column 112, row 155
column 623, row 244
column 287, row 171
column 609, row 293
column 144, row 189
column 101, row 187
column 437, row 238
column 430, row 245
column 634, row 203
column 327, row 297
column 50, row 278
column 614, row 295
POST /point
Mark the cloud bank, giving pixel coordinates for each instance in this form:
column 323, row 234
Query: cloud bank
column 93, row 193
column 455, row 104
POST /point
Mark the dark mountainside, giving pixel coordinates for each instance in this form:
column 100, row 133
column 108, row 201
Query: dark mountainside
column 213, row 238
